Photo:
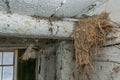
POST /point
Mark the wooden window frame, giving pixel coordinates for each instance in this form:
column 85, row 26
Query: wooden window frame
column 15, row 56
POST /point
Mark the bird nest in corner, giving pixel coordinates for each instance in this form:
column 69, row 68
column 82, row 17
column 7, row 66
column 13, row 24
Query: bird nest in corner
column 88, row 35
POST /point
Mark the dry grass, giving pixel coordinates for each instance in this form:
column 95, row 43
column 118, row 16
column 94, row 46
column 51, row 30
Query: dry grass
column 88, row 35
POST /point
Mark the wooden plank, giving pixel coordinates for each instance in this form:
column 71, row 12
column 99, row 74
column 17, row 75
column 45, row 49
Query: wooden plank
column 65, row 63
column 47, row 64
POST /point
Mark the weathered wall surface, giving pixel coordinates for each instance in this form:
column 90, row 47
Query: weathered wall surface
column 59, row 63
column 108, row 65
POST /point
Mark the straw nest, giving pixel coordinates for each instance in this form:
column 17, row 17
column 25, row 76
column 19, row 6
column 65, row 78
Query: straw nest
column 89, row 33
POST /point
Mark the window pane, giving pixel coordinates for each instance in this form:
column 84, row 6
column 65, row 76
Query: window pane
column 8, row 58
column 0, row 58
column 8, row 73
column 0, row 72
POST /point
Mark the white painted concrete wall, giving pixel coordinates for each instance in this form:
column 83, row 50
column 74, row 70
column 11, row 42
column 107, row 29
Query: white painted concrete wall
column 46, row 8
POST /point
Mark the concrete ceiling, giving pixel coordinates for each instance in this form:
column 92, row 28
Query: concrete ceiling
column 47, row 8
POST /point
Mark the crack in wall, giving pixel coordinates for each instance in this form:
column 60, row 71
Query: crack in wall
column 57, row 9
column 110, row 45
column 101, row 60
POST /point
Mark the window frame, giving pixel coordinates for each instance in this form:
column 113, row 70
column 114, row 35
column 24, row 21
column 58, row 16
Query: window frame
column 15, row 54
